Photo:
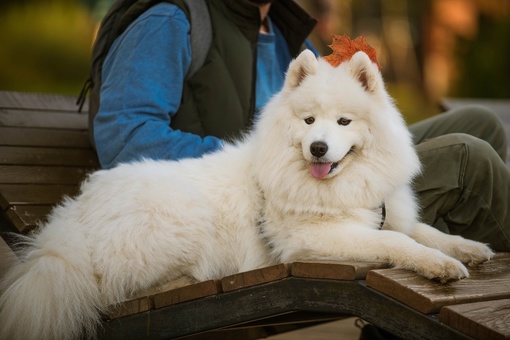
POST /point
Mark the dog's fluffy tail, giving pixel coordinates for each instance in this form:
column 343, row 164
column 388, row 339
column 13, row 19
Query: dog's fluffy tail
column 51, row 293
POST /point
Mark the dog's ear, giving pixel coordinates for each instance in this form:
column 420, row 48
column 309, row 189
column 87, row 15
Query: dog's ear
column 304, row 65
column 365, row 71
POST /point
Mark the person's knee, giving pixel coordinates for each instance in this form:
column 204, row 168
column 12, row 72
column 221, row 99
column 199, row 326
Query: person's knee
column 489, row 124
column 479, row 114
column 479, row 153
column 457, row 154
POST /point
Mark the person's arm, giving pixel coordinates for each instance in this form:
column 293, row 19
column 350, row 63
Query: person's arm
column 142, row 87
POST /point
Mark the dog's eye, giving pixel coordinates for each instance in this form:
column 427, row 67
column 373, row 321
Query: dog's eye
column 344, row 121
column 309, row 120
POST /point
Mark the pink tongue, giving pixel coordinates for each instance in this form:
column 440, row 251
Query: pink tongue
column 320, row 170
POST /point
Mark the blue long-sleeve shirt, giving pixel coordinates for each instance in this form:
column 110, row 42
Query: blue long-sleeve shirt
column 143, row 78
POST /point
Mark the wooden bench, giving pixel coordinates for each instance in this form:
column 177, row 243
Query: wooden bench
column 45, row 153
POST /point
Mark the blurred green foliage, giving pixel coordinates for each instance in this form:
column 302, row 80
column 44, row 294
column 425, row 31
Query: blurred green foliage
column 411, row 100
column 45, row 46
column 484, row 62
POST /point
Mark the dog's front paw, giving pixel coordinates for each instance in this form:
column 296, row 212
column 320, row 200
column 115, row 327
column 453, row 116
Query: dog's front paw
column 469, row 252
column 444, row 269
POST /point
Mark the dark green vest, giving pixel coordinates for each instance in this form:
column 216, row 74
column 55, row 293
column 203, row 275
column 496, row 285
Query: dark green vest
column 219, row 99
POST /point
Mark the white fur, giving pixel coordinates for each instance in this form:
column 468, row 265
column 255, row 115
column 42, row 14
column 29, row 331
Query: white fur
column 250, row 205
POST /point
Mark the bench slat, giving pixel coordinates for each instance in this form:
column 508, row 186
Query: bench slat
column 44, row 137
column 167, row 298
column 40, row 119
column 335, row 269
column 140, row 305
column 34, row 194
column 255, row 277
column 41, row 101
column 487, row 319
column 487, row 281
column 187, row 293
column 21, row 174
column 12, row 155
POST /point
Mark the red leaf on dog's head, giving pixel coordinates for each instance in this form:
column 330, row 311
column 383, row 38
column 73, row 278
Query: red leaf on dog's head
column 344, row 48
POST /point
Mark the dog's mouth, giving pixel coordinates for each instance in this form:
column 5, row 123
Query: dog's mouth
column 320, row 170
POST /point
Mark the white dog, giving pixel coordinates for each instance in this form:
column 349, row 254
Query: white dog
column 329, row 151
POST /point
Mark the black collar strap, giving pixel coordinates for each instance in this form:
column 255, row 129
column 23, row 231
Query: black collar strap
column 383, row 215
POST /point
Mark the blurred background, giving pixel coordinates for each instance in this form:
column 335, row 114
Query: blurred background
column 429, row 49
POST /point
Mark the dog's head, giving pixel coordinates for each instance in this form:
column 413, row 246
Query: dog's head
column 332, row 109
column 329, row 121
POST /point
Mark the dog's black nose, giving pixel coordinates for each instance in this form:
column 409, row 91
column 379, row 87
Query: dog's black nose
column 318, row 149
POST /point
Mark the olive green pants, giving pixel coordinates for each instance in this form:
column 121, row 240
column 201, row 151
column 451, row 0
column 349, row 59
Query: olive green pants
column 464, row 187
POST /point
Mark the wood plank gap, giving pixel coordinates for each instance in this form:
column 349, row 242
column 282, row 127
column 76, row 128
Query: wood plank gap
column 341, row 270
column 187, row 293
column 255, row 277
column 487, row 319
column 487, row 281
column 140, row 305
